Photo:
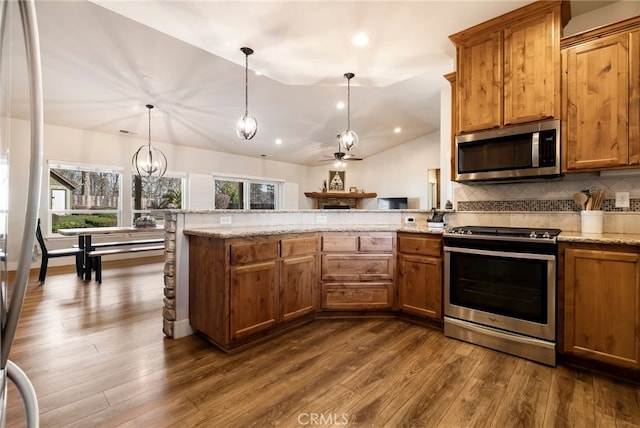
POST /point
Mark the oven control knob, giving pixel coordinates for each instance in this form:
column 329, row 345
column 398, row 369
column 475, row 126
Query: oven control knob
column 469, row 232
column 533, row 234
column 546, row 235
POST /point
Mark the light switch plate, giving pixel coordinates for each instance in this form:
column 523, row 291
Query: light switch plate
column 622, row 199
column 321, row 218
column 225, row 219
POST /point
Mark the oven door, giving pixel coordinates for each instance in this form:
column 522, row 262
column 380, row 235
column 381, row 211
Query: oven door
column 505, row 290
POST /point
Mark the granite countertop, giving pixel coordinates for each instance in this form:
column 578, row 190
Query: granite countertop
column 248, row 231
column 600, row 238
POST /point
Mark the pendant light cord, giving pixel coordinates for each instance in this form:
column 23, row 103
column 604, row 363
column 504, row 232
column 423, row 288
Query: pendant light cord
column 149, row 125
column 349, row 104
column 246, row 84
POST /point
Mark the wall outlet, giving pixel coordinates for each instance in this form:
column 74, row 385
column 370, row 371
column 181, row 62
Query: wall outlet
column 320, row 218
column 225, row 219
column 622, row 199
column 409, row 220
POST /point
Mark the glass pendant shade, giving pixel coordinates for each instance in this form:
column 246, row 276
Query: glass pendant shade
column 247, row 125
column 348, row 139
column 148, row 161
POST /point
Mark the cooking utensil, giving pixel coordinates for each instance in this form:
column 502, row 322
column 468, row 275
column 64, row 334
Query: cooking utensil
column 598, row 199
column 580, row 199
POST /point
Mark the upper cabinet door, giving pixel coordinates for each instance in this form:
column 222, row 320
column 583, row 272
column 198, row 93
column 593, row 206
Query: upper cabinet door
column 598, row 89
column 480, row 82
column 532, row 69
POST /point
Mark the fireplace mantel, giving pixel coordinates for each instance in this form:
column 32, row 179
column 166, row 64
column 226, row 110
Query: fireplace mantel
column 353, row 199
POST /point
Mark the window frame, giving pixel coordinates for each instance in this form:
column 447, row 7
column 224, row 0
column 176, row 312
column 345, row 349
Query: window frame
column 78, row 166
column 246, row 183
column 183, row 188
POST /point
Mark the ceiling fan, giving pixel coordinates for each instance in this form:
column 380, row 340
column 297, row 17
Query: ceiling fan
column 339, row 157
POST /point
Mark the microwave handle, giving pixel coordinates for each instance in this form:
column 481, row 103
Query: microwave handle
column 535, row 149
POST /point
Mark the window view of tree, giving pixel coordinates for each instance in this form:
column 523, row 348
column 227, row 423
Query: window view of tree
column 155, row 194
column 262, row 196
column 83, row 198
column 229, row 195
column 238, row 193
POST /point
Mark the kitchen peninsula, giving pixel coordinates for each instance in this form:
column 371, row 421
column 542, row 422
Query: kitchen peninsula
column 181, row 225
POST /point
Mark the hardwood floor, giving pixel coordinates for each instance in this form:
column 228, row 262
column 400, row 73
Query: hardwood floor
column 97, row 358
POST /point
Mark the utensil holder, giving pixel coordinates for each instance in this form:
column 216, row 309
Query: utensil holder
column 591, row 221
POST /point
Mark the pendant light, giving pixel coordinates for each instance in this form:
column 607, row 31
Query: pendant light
column 148, row 161
column 348, row 139
column 247, row 125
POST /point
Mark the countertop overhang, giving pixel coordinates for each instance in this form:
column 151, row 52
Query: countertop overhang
column 249, row 231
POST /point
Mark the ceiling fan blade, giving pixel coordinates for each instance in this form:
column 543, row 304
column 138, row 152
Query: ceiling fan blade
column 352, row 158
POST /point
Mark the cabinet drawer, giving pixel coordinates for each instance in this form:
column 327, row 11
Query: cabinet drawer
column 297, row 246
column 357, row 267
column 249, row 252
column 420, row 245
column 357, row 296
column 339, row 243
column 376, row 244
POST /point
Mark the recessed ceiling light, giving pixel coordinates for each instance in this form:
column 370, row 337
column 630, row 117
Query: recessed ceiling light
column 397, row 130
column 360, row 39
column 278, row 141
column 340, row 105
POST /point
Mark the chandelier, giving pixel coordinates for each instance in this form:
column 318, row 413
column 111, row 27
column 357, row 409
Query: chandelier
column 148, row 161
column 247, row 125
column 348, row 139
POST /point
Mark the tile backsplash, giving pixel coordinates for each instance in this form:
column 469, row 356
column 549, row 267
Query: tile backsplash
column 546, row 204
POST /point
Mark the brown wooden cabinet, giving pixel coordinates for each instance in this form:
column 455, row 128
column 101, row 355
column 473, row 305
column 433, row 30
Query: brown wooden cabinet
column 298, row 277
column 508, row 68
column 254, row 298
column 601, row 93
column 242, row 288
column 357, row 270
column 420, row 277
column 601, row 303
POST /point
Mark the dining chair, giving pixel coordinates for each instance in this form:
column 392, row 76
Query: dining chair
column 62, row 252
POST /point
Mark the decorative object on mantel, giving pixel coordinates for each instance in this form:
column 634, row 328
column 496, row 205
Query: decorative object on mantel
column 336, row 181
column 247, row 126
column 348, row 139
column 145, row 221
column 329, row 198
column 148, row 161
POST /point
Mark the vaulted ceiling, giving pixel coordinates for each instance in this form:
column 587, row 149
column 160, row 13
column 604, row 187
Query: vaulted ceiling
column 104, row 60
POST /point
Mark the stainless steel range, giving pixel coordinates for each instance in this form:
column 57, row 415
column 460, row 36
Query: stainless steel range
column 500, row 289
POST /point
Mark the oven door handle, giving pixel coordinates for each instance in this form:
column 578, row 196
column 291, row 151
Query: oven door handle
column 511, row 254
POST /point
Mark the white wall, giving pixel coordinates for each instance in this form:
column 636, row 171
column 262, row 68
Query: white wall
column 399, row 171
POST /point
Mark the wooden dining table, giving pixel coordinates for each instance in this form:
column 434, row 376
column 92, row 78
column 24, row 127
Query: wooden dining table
column 85, row 235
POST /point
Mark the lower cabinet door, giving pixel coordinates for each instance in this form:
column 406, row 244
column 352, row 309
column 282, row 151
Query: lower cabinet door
column 602, row 306
column 254, row 298
column 420, row 285
column 357, row 296
column 298, row 287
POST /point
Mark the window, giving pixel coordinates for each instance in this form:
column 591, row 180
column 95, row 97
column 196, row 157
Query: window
column 247, row 193
column 156, row 194
column 84, row 196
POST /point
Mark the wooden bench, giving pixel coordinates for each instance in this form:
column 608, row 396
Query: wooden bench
column 123, row 243
column 96, row 255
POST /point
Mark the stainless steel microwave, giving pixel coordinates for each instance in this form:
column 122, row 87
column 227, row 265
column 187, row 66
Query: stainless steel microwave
column 514, row 153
